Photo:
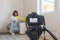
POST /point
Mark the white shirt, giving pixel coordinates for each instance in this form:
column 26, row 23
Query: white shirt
column 13, row 18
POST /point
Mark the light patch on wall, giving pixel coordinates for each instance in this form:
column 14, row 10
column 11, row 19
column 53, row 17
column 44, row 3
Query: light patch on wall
column 38, row 6
column 4, row 10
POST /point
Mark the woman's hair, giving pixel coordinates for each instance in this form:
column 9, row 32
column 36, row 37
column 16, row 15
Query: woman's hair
column 15, row 12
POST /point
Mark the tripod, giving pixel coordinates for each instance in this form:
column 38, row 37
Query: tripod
column 51, row 34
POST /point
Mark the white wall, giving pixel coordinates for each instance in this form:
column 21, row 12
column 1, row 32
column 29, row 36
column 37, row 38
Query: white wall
column 17, row 5
column 58, row 3
column 6, row 9
column 29, row 6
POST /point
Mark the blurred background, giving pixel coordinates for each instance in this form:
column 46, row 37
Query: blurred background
column 49, row 8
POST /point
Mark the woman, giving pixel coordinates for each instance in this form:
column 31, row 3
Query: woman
column 14, row 24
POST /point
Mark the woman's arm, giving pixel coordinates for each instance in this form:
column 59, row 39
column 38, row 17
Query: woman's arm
column 19, row 18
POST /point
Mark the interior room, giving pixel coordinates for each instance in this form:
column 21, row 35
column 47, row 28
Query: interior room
column 50, row 9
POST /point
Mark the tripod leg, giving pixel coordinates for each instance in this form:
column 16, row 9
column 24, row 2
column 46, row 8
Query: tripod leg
column 51, row 33
column 44, row 35
column 44, row 32
column 40, row 30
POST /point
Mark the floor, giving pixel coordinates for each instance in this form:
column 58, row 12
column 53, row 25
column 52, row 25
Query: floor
column 16, row 37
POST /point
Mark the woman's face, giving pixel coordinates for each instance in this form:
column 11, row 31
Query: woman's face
column 16, row 14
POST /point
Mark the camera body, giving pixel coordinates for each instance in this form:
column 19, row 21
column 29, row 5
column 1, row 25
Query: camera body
column 34, row 21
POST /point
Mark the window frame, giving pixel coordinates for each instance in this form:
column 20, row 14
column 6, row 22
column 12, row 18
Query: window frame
column 39, row 7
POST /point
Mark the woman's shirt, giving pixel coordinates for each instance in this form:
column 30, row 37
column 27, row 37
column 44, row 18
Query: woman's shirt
column 14, row 21
column 13, row 18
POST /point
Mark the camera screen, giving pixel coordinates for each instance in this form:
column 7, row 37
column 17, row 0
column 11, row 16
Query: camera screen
column 33, row 20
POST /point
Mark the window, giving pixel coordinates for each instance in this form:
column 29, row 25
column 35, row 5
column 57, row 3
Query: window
column 46, row 6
